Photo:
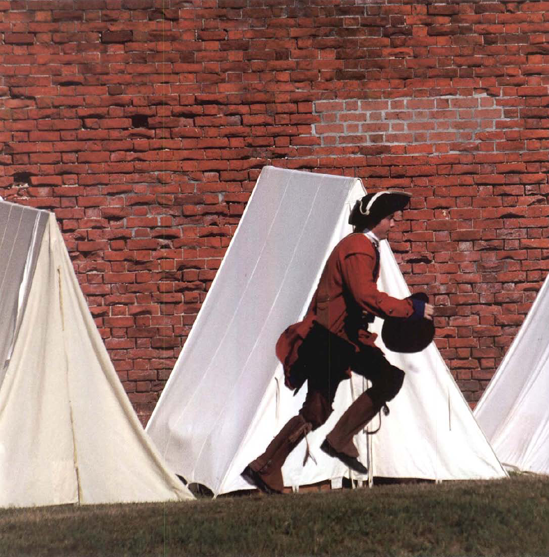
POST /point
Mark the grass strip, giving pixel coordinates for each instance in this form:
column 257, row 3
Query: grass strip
column 482, row 518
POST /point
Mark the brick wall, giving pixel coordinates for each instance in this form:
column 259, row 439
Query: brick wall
column 144, row 124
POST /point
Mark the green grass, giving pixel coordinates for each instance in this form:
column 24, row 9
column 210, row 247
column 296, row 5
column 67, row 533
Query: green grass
column 499, row 518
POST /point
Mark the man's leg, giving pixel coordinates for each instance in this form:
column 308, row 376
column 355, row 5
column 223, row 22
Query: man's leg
column 326, row 370
column 265, row 472
column 386, row 383
column 361, row 411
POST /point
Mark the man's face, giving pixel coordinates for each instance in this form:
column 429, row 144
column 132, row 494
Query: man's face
column 381, row 230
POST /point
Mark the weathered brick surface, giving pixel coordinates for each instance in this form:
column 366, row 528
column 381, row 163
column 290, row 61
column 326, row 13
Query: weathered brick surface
column 144, row 124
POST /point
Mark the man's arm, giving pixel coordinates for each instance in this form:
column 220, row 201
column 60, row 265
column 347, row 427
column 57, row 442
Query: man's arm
column 358, row 273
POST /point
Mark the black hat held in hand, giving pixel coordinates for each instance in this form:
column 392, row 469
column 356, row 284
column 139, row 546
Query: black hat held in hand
column 406, row 335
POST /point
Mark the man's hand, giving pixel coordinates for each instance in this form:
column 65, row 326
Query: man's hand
column 429, row 311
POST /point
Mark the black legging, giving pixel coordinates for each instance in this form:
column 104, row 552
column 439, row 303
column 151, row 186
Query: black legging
column 325, row 358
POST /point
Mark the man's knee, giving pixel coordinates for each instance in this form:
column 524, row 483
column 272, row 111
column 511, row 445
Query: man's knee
column 397, row 380
column 388, row 385
column 316, row 410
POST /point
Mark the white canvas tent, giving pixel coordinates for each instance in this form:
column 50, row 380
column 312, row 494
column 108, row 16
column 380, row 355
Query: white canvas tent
column 68, row 433
column 514, row 411
column 225, row 399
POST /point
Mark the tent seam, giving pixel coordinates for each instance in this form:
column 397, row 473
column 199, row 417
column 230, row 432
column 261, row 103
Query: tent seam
column 71, row 413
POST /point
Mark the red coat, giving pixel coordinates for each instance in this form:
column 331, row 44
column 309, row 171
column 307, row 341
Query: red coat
column 345, row 299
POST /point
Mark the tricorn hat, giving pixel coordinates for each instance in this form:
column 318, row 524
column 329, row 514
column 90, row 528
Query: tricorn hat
column 374, row 207
column 408, row 336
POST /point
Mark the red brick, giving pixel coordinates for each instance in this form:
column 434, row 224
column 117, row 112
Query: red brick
column 148, row 205
column 122, row 36
column 19, row 38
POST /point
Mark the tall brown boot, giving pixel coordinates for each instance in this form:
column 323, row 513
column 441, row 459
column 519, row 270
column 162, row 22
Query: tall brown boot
column 265, row 472
column 339, row 442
